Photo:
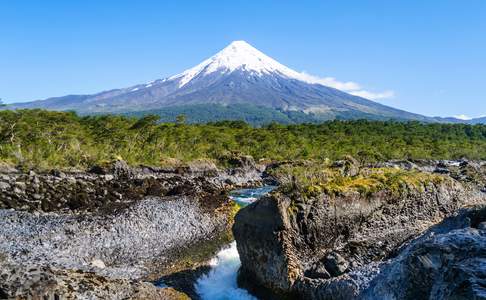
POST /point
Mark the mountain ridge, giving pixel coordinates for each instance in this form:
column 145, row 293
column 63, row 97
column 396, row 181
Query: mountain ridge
column 237, row 75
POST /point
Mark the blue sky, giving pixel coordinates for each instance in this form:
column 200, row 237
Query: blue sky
column 430, row 54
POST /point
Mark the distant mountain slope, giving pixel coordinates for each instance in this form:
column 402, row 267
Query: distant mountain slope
column 251, row 114
column 237, row 75
column 480, row 120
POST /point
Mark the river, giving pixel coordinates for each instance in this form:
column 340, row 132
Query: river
column 221, row 282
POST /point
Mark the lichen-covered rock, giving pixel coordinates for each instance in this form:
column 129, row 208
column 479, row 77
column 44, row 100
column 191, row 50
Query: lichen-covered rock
column 101, row 235
column 156, row 236
column 311, row 245
column 33, row 282
column 349, row 166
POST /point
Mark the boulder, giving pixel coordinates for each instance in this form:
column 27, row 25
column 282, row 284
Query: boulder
column 242, row 161
column 309, row 247
column 118, row 168
column 98, row 263
column 335, row 264
column 33, row 282
column 57, row 173
column 349, row 166
column 4, row 185
column 447, row 262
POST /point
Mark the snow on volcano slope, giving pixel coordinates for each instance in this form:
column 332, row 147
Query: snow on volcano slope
column 239, row 55
column 237, row 75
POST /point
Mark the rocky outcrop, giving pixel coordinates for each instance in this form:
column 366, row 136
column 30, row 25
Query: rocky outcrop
column 117, row 185
column 141, row 241
column 36, row 282
column 447, row 262
column 473, row 172
column 331, row 246
column 113, row 228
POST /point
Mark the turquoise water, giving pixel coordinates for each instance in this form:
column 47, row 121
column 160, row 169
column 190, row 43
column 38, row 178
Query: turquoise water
column 221, row 282
column 246, row 196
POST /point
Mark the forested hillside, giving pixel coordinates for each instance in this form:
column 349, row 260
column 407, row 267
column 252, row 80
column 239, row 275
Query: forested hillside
column 44, row 139
column 251, row 114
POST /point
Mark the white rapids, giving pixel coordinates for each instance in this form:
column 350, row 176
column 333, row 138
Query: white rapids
column 220, row 283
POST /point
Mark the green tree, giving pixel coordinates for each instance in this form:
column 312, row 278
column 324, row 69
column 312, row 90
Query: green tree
column 62, row 139
column 181, row 119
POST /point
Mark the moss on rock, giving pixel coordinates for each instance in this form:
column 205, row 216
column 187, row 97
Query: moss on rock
column 313, row 178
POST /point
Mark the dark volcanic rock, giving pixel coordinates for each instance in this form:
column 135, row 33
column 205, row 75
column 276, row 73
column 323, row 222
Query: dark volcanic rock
column 290, row 244
column 101, row 235
column 335, row 264
column 446, row 262
column 185, row 280
column 33, row 282
column 113, row 186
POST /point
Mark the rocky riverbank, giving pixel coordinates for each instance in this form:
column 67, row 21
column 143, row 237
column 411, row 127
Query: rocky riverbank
column 329, row 230
column 106, row 233
column 116, row 185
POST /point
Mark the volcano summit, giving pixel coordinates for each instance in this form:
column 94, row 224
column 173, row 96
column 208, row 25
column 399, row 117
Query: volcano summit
column 238, row 76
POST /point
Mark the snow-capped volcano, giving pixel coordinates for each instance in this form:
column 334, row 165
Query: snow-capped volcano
column 237, row 75
column 239, row 55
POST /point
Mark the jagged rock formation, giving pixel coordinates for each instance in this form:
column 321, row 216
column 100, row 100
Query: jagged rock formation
column 447, row 262
column 117, row 185
column 106, row 233
column 327, row 246
column 34, row 282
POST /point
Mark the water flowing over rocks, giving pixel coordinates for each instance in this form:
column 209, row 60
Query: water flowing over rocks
column 375, row 246
column 106, row 233
column 110, row 232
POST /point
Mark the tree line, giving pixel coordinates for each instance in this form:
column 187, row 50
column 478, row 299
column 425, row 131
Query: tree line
column 47, row 139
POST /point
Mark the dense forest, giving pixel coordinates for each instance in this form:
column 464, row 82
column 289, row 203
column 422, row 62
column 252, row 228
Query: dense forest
column 251, row 114
column 46, row 139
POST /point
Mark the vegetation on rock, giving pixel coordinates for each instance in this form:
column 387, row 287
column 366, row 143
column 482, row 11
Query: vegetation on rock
column 313, row 178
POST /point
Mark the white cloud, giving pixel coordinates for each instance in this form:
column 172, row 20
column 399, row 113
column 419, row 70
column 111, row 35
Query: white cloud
column 466, row 117
column 331, row 82
column 372, row 95
column 350, row 87
column 462, row 117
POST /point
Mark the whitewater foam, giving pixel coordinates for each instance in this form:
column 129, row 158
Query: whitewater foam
column 221, row 283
